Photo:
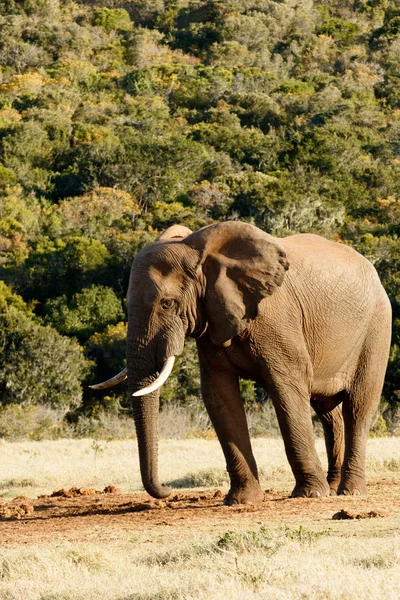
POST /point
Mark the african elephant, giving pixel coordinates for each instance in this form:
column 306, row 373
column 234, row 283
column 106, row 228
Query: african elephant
column 304, row 317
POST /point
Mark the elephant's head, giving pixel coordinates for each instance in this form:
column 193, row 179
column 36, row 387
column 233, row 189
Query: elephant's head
column 179, row 286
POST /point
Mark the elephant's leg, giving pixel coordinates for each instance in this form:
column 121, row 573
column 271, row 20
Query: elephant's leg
column 292, row 405
column 358, row 409
column 332, row 423
column 360, row 404
column 224, row 404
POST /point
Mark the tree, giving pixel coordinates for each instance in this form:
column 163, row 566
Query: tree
column 87, row 311
column 37, row 364
column 63, row 267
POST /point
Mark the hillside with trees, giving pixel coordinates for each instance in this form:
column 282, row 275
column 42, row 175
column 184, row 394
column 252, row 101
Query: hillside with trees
column 120, row 118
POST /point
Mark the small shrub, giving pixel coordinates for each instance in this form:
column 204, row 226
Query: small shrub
column 378, row 561
column 262, row 539
column 379, row 428
column 392, row 464
column 18, row 483
column 185, row 422
column 104, row 426
column 262, row 420
column 302, row 535
column 45, row 423
column 32, row 423
column 204, row 478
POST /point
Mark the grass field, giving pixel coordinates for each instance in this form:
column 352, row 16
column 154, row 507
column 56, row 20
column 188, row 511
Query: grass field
column 283, row 549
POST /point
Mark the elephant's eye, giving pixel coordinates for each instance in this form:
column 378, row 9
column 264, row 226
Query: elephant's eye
column 167, row 303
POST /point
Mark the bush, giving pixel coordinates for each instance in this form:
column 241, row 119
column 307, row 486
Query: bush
column 90, row 310
column 43, row 423
column 32, row 422
column 10, row 300
column 37, row 364
column 63, row 267
column 107, row 350
column 112, row 18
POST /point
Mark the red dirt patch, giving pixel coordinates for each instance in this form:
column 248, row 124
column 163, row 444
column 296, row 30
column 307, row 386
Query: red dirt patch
column 75, row 491
column 343, row 515
column 17, row 508
column 77, row 515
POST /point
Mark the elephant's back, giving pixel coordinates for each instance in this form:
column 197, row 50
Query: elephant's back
column 314, row 257
column 338, row 294
column 332, row 284
column 306, row 245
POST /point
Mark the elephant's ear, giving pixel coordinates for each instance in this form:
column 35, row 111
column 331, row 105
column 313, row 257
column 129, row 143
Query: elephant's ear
column 175, row 232
column 242, row 265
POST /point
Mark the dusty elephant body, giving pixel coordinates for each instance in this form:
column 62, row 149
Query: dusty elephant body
column 304, row 317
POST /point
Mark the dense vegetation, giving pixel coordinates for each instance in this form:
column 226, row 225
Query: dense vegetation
column 117, row 121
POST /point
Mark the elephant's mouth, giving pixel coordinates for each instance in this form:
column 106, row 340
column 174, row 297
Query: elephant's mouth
column 152, row 387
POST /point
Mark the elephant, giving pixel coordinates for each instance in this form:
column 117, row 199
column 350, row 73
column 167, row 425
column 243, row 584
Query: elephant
column 304, row 317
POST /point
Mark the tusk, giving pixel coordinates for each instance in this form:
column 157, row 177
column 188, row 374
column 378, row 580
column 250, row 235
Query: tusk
column 162, row 378
column 110, row 382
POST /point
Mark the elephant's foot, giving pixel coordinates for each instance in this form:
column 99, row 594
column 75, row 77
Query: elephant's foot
column 333, row 483
column 314, row 490
column 249, row 494
column 352, row 488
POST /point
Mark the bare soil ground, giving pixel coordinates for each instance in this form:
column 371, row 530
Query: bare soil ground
column 81, row 514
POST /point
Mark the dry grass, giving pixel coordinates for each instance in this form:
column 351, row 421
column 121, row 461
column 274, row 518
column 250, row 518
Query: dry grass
column 33, row 468
column 284, row 563
column 299, row 560
column 37, row 423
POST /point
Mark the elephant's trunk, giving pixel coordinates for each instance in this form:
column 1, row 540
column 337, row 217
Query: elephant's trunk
column 148, row 349
column 145, row 414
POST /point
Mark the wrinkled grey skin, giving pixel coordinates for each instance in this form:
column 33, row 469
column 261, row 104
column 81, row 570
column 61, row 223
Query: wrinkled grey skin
column 304, row 317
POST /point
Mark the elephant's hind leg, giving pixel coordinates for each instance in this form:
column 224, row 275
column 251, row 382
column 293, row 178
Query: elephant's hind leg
column 333, row 426
column 360, row 404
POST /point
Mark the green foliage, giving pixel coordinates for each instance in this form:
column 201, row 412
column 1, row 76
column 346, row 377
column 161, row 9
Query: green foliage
column 10, row 300
column 37, row 364
column 246, row 541
column 204, row 478
column 379, row 428
column 341, row 30
column 108, row 350
column 89, row 310
column 303, row 535
column 97, row 214
column 117, row 122
column 263, row 539
column 19, row 220
column 112, row 18
column 247, row 391
column 7, row 176
column 183, row 385
column 63, row 267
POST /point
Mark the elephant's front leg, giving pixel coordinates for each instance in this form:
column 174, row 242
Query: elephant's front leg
column 224, row 405
column 292, row 404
